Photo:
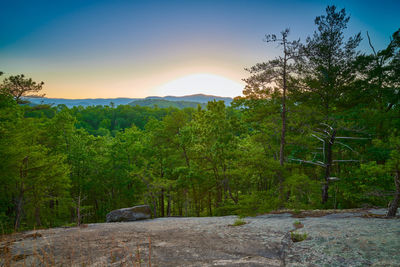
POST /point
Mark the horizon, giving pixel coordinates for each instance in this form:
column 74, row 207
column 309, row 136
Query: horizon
column 122, row 97
column 121, row 49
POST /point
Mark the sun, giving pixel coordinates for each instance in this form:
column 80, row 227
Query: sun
column 201, row 83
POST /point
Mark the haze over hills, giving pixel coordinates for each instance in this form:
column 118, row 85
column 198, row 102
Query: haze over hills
column 200, row 98
column 162, row 103
column 80, row 102
column 166, row 101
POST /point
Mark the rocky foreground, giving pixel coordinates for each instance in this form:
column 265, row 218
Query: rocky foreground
column 357, row 238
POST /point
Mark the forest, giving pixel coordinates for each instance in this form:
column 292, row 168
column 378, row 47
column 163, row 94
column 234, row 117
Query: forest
column 317, row 127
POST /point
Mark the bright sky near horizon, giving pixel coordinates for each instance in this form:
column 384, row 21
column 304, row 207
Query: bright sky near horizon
column 83, row 49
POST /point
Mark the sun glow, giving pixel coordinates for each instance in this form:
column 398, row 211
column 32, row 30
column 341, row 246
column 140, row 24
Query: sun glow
column 201, row 83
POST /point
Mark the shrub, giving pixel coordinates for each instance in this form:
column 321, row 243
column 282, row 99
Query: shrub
column 298, row 237
column 302, row 191
column 258, row 203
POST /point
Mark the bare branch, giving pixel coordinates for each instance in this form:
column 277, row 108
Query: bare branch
column 370, row 44
column 322, row 140
column 340, row 143
column 318, row 163
column 323, row 146
column 327, row 125
column 345, row 160
column 381, row 194
column 355, row 138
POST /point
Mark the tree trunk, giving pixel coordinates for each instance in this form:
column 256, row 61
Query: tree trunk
column 169, row 204
column 180, row 207
column 37, row 216
column 219, row 194
column 283, row 115
column 209, row 204
column 283, row 132
column 231, row 195
column 154, row 200
column 325, row 186
column 78, row 210
column 394, row 205
column 18, row 211
column 20, row 201
column 162, row 203
column 186, row 203
column 196, row 198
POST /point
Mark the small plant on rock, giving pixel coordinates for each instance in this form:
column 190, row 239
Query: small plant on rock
column 298, row 225
column 238, row 222
column 298, row 237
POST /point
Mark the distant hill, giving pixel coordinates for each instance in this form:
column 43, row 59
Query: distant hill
column 162, row 103
column 194, row 98
column 80, row 102
column 182, row 101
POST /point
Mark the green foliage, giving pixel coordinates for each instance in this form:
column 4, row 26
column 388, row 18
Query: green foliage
column 258, row 203
column 6, row 223
column 298, row 237
column 162, row 103
column 297, row 224
column 62, row 166
column 239, row 222
column 34, row 175
column 18, row 86
column 303, row 192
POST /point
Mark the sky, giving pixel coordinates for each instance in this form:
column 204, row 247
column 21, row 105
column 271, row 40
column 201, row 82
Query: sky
column 115, row 48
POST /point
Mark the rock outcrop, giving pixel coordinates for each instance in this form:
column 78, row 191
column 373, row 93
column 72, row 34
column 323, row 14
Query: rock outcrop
column 129, row 214
column 343, row 238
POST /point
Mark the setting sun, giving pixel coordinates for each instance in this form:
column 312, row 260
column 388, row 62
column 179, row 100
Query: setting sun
column 201, row 82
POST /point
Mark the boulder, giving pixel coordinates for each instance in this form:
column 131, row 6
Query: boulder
column 129, row 214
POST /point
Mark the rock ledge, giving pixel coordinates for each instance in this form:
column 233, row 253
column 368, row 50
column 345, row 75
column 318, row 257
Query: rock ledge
column 129, row 214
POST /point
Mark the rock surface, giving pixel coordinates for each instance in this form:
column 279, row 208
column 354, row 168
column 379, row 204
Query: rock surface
column 353, row 238
column 129, row 214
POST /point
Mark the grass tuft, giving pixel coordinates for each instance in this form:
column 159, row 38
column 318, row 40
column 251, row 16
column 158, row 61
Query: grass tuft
column 298, row 225
column 298, row 237
column 238, row 222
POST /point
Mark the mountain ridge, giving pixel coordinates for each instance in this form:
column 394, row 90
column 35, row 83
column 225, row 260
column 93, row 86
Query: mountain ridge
column 193, row 99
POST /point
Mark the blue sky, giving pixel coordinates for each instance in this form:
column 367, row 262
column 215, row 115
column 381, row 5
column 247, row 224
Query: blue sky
column 136, row 48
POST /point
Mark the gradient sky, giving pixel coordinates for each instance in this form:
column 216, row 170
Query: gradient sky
column 91, row 49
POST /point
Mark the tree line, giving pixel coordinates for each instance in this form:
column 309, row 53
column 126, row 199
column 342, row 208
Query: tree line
column 316, row 127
